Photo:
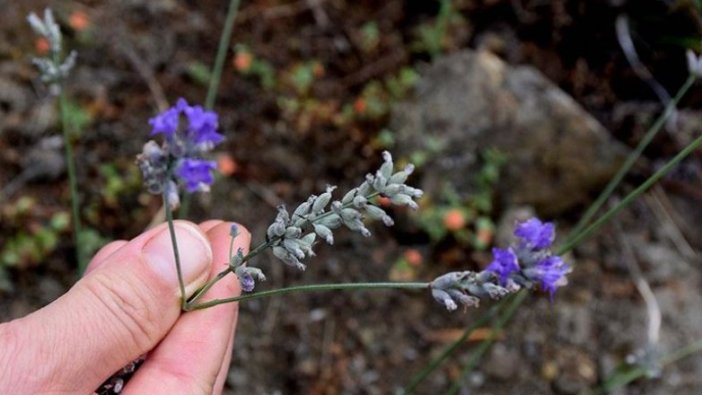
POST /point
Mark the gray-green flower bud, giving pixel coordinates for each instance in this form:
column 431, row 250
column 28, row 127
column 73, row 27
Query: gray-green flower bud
column 325, row 233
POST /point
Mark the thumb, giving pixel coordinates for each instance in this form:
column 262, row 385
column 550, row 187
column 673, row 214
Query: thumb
column 113, row 315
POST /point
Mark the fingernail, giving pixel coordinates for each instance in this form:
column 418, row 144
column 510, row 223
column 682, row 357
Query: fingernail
column 194, row 251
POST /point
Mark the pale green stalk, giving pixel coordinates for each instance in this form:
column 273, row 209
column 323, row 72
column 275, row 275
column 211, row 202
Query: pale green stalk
column 309, row 288
column 72, row 183
column 221, row 56
column 216, row 76
column 171, row 230
column 439, row 360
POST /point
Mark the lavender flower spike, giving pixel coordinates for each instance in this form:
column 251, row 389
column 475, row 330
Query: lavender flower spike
column 179, row 159
column 527, row 263
column 54, row 68
column 320, row 215
column 467, row 288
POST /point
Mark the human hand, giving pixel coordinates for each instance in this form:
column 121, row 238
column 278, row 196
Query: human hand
column 126, row 305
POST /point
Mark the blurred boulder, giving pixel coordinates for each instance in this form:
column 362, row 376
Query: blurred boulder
column 468, row 102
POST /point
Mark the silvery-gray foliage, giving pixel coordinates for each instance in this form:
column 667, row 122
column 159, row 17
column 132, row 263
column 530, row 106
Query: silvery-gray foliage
column 53, row 70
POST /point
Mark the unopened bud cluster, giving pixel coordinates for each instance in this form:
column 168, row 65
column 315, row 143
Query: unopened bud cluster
column 53, row 69
column 467, row 288
column 527, row 263
column 292, row 236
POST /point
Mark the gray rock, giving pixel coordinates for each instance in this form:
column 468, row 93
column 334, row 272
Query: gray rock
column 576, row 321
column 14, row 99
column 503, row 362
column 577, row 370
column 470, row 101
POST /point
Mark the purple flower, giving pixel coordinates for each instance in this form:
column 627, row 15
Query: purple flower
column 165, row 122
column 550, row 273
column 247, row 282
column 202, row 125
column 201, row 129
column 504, row 263
column 535, row 234
column 196, row 173
column 247, row 275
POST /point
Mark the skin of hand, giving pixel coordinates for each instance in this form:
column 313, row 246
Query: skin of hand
column 128, row 304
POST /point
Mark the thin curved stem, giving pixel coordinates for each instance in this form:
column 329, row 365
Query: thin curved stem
column 202, row 291
column 209, row 284
column 216, row 77
column 171, row 230
column 453, row 347
column 308, row 288
column 631, row 159
column 257, row 250
column 439, row 360
column 222, row 49
column 72, row 182
column 231, row 247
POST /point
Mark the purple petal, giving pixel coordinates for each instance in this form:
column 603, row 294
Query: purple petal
column 165, row 122
column 203, row 125
column 550, row 273
column 247, row 283
column 504, row 263
column 535, row 234
column 197, row 174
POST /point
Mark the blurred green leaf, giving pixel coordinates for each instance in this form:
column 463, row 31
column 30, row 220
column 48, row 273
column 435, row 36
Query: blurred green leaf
column 370, row 36
column 77, row 119
column 91, row 241
column 60, row 221
column 200, row 73
column 302, row 77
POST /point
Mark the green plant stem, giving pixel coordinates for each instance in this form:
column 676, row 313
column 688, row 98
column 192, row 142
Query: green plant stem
column 209, row 284
column 179, row 270
column 487, row 343
column 257, row 250
column 634, row 156
column 202, row 291
column 308, row 288
column 72, row 183
column 221, row 56
column 448, row 351
column 231, row 247
column 631, row 196
column 215, row 78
